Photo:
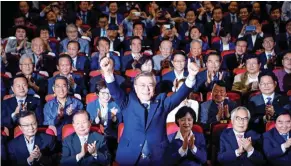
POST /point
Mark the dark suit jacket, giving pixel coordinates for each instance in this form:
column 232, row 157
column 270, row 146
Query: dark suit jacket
column 209, row 28
column 96, row 32
column 227, row 21
column 153, row 130
column 46, row 63
column 228, row 145
column 126, row 62
column 95, row 61
column 18, row 152
column 219, row 46
column 83, row 64
column 119, row 18
column 93, row 81
column 167, row 80
column 91, row 17
column 252, row 47
column 184, row 27
column 8, row 107
column 202, row 78
column 72, row 146
column 80, row 88
column 271, row 66
column 270, row 29
column 59, row 29
column 172, row 156
column 257, row 107
column 229, row 62
column 146, row 43
column 272, row 148
column 236, row 28
column 282, row 42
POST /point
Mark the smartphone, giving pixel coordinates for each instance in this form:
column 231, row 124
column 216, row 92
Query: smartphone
column 137, row 14
column 167, row 26
column 250, row 28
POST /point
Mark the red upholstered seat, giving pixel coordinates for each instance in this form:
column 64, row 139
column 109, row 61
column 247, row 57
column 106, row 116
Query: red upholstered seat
column 91, row 97
column 270, row 125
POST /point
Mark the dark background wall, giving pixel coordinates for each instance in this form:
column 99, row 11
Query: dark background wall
column 8, row 10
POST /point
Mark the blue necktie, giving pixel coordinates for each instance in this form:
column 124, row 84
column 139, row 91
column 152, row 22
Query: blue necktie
column 52, row 30
column 285, row 136
column 217, row 29
column 145, row 148
column 269, row 101
column 20, row 102
column 269, row 56
column 215, row 78
column 84, row 18
column 232, row 19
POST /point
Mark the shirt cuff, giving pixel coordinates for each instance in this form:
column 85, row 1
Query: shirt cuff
column 261, row 34
column 109, row 79
column 77, row 158
column 13, row 115
column 251, row 152
column 190, row 83
column 236, row 153
column 283, row 148
column 182, row 152
column 194, row 150
column 240, row 36
column 29, row 163
column 42, row 14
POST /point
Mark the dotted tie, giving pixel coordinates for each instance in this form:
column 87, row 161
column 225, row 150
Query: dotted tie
column 269, row 101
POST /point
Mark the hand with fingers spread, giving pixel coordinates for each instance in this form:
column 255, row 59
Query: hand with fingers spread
column 247, row 144
column 220, row 75
column 92, row 148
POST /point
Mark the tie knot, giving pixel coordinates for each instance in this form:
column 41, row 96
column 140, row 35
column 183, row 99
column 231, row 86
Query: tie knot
column 239, row 136
column 20, row 101
column 145, row 105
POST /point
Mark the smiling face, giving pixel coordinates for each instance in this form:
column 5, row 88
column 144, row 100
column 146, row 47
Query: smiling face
column 145, row 88
column 60, row 88
column 267, row 85
column 103, row 47
column 28, row 125
column 73, row 49
column 26, row 66
column 252, row 65
column 241, row 47
column 64, row 66
column 283, row 124
column 147, row 66
column 20, row 87
column 179, row 62
column 287, row 61
column 240, row 121
column 135, row 46
column 195, row 33
column 218, row 93
column 190, row 17
column 268, row 43
column 186, row 123
column 104, row 95
column 213, row 63
column 81, row 124
column 195, row 49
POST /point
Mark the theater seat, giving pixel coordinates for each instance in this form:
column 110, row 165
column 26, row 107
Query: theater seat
column 91, row 97
column 68, row 129
column 49, row 97
column 196, row 96
column 223, row 53
column 4, row 131
column 132, row 73
column 237, row 71
column 42, row 129
column 172, row 128
column 95, row 73
column 270, row 125
column 165, row 71
column 120, row 131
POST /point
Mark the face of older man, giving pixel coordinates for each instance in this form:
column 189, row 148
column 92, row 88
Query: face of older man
column 26, row 66
column 267, row 85
column 28, row 125
column 240, row 121
column 65, row 66
column 145, row 88
column 61, row 88
column 213, row 63
column 179, row 62
column 196, row 49
column 218, row 93
column 37, row 46
column 283, row 124
column 81, row 124
column 287, row 62
column 241, row 47
column 20, row 34
column 252, row 65
column 166, row 48
column 72, row 33
column 20, row 87
column 269, row 43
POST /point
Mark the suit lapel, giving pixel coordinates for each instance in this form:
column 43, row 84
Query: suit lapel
column 280, row 138
column 153, row 108
column 23, row 149
column 38, row 141
column 232, row 139
column 76, row 143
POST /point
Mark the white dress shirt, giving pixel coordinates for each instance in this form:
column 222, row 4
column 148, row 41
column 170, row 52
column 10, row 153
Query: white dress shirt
column 181, row 151
column 265, row 98
column 236, row 153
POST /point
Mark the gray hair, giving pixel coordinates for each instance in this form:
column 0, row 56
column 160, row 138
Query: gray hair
column 145, row 74
column 25, row 56
column 71, row 26
column 234, row 111
column 195, row 41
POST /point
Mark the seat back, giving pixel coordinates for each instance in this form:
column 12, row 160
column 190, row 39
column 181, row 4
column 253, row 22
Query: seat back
column 49, row 97
column 237, row 71
column 120, row 131
column 172, row 128
column 68, row 129
column 165, row 71
column 196, row 96
column 270, row 125
column 132, row 73
column 95, row 73
column 91, row 97
column 42, row 129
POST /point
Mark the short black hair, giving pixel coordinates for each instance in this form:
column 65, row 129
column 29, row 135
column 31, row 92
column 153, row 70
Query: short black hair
column 19, row 15
column 138, row 23
column 194, row 27
column 220, row 83
column 178, row 52
column 287, row 82
column 275, row 7
column 65, row 56
column 241, row 39
column 288, row 21
column 133, row 38
column 214, row 54
column 42, row 28
column 284, row 112
column 252, row 56
column 287, row 52
column 61, row 78
column 101, row 84
column 242, row 7
column 217, row 8
column 19, row 76
column 76, row 42
column 23, row 114
column 269, row 35
column 103, row 16
column 254, row 18
column 103, row 38
column 142, row 60
column 191, row 10
column 110, row 2
column 267, row 73
column 20, row 27
column 182, row 113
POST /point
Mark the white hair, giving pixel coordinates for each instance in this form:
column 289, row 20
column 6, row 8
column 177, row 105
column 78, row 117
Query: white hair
column 234, row 111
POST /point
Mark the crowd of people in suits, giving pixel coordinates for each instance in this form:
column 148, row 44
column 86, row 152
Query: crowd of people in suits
column 147, row 83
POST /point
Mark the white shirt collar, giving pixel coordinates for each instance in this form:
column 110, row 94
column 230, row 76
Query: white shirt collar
column 179, row 76
column 237, row 133
column 272, row 52
column 134, row 55
column 265, row 97
column 83, row 139
column 179, row 135
column 18, row 98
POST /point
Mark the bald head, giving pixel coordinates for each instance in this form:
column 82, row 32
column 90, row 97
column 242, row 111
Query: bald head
column 37, row 45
